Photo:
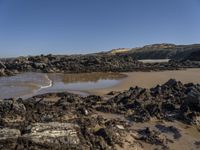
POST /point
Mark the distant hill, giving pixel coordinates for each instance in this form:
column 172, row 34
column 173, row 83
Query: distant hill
column 119, row 50
column 164, row 51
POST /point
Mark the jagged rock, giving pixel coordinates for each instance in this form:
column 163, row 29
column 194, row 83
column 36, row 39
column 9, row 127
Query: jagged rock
column 76, row 120
column 169, row 129
column 12, row 112
column 40, row 66
column 193, row 100
column 107, row 135
column 92, row 99
column 141, row 115
column 151, row 136
column 113, row 93
column 100, row 62
column 153, row 109
column 171, row 82
column 157, row 90
column 168, row 106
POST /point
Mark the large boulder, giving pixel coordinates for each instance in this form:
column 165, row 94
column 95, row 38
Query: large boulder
column 171, row 83
column 53, row 135
column 40, row 66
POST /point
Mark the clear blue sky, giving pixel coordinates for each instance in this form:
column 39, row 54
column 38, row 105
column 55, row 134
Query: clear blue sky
column 30, row 27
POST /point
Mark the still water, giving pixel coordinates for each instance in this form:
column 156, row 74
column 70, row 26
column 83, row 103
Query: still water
column 28, row 84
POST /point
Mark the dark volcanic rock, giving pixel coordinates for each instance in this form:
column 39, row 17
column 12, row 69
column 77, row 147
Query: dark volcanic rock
column 172, row 100
column 107, row 135
column 140, row 116
column 150, row 136
column 170, row 129
column 72, row 64
column 193, row 100
column 75, row 122
column 194, row 56
column 100, row 62
column 153, row 109
column 12, row 112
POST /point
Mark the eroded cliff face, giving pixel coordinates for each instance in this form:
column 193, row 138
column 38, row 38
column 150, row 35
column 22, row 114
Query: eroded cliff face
column 69, row 121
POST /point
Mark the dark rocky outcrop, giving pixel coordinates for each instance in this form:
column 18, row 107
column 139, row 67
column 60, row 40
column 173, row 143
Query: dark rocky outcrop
column 75, row 122
column 99, row 62
column 72, row 64
column 172, row 100
column 194, row 56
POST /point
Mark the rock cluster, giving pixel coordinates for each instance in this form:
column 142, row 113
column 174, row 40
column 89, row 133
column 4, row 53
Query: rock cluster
column 85, row 63
column 4, row 71
column 74, row 122
column 172, row 100
column 72, row 63
column 67, row 123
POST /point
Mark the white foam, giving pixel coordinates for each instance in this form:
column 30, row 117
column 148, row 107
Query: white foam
column 49, row 85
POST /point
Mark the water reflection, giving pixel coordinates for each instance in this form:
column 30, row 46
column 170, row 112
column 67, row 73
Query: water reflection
column 85, row 77
column 39, row 83
column 82, row 82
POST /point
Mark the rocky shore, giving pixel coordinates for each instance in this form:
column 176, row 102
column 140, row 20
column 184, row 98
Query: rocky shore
column 139, row 118
column 69, row 121
column 99, row 62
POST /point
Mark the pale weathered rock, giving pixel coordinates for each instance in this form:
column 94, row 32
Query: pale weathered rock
column 53, row 134
column 8, row 138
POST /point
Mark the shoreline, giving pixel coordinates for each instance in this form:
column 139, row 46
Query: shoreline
column 131, row 79
column 181, row 75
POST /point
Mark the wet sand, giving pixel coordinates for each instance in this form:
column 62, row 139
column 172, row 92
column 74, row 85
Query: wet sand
column 180, row 136
column 151, row 79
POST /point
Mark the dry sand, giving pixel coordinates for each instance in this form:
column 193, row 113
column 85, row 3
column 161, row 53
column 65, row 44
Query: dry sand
column 151, row 79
